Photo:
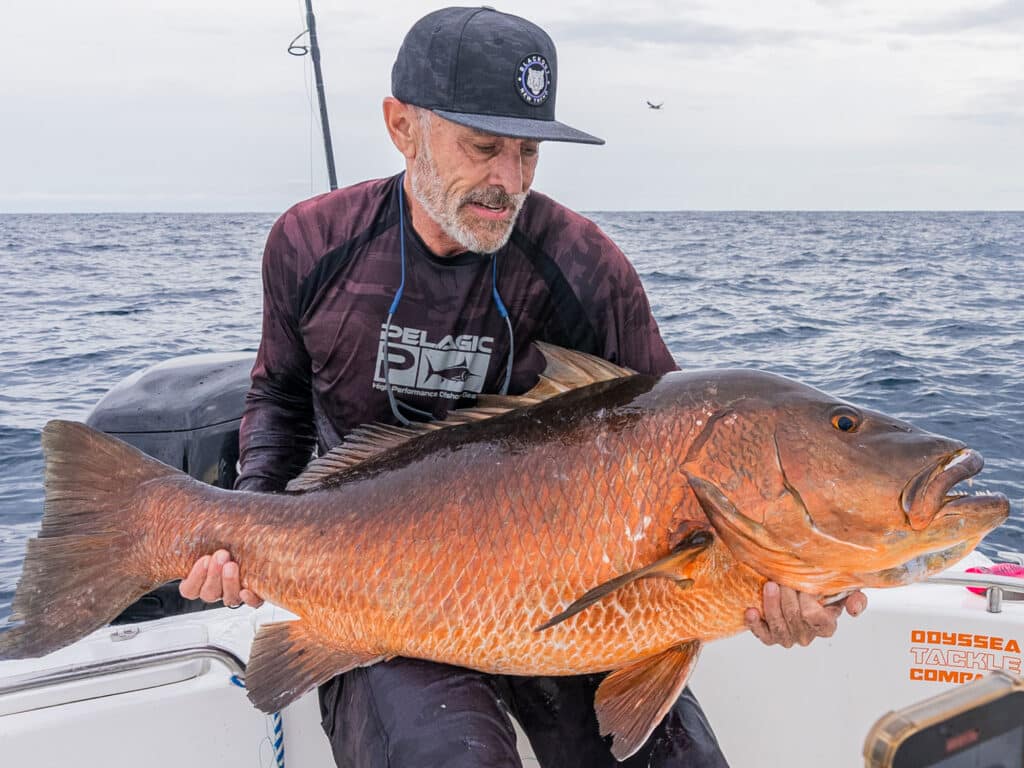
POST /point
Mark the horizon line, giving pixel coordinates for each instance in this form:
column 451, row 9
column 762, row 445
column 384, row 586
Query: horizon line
column 582, row 211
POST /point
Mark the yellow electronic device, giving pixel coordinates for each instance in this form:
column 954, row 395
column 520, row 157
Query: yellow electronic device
column 978, row 725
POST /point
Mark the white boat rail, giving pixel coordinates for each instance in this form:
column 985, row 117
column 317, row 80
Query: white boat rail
column 997, row 588
column 75, row 672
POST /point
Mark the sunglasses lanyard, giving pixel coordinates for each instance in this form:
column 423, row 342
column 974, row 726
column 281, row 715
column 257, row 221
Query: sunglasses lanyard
column 393, row 401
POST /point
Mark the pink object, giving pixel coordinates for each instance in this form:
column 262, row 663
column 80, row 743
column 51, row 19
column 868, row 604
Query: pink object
column 999, row 569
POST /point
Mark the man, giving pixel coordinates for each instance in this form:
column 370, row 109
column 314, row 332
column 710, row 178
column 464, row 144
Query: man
column 387, row 301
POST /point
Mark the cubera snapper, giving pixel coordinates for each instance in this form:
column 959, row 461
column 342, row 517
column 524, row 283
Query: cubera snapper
column 605, row 521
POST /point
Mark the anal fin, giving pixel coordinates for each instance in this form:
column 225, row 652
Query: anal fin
column 631, row 701
column 286, row 661
column 673, row 567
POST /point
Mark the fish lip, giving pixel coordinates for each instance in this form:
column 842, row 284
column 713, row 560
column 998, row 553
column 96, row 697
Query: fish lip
column 924, row 496
column 990, row 505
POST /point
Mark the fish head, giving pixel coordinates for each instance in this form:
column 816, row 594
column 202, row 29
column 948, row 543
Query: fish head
column 822, row 496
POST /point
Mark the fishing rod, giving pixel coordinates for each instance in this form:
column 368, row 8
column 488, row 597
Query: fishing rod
column 314, row 49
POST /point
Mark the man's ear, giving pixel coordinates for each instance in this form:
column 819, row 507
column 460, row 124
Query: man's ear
column 402, row 125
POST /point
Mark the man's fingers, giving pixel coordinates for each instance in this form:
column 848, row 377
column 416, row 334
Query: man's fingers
column 216, row 577
column 794, row 617
column 213, row 588
column 250, row 598
column 774, row 617
column 816, row 619
column 856, row 603
column 230, row 584
column 793, row 614
column 191, row 584
column 754, row 622
column 234, row 595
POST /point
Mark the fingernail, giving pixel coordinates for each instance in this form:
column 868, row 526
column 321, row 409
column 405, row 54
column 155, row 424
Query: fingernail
column 222, row 557
column 231, row 570
column 771, row 589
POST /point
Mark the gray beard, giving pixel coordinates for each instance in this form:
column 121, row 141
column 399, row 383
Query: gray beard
column 488, row 236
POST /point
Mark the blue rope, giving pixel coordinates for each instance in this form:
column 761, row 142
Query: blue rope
column 278, row 739
column 278, row 726
column 392, row 400
column 401, row 244
column 508, row 323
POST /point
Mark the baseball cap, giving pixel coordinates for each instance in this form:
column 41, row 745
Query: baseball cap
column 484, row 69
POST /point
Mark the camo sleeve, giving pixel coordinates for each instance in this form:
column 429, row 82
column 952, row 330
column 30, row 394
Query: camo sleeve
column 622, row 317
column 276, row 438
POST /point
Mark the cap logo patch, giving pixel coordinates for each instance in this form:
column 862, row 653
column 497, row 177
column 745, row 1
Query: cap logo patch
column 533, row 80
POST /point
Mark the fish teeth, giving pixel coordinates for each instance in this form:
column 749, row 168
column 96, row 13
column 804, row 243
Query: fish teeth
column 962, row 456
column 958, row 492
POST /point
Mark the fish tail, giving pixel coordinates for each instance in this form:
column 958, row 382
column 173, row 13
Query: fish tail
column 78, row 572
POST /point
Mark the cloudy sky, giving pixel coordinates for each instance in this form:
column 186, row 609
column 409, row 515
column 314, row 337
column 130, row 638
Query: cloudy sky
column 194, row 105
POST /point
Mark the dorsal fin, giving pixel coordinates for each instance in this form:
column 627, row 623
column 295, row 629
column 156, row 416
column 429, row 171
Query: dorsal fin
column 565, row 370
column 371, row 440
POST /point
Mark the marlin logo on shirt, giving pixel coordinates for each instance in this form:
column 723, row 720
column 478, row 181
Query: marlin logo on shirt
column 458, row 372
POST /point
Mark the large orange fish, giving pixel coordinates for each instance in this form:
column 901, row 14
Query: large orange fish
column 605, row 521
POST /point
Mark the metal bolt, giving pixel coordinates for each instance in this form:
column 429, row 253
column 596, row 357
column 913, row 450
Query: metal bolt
column 995, row 599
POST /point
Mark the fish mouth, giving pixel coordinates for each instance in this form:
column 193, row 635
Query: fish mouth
column 929, row 494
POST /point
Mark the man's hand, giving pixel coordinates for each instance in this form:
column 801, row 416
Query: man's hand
column 215, row 577
column 792, row 617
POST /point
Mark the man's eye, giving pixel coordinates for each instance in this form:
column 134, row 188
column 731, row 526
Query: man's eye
column 486, row 148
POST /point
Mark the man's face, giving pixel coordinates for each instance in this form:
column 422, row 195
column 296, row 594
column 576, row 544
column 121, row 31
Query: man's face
column 472, row 184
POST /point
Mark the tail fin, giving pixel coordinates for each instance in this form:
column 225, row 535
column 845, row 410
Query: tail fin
column 77, row 572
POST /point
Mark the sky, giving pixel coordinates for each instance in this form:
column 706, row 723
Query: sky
column 195, row 105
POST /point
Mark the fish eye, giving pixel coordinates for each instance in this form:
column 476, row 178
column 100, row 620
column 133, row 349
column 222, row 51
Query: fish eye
column 845, row 419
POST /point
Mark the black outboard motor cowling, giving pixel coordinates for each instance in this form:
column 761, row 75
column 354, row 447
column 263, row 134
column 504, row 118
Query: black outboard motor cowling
column 186, row 413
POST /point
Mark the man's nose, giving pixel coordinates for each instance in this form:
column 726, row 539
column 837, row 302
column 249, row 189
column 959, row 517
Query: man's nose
column 507, row 170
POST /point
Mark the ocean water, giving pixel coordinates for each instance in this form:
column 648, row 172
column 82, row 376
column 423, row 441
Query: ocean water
column 919, row 315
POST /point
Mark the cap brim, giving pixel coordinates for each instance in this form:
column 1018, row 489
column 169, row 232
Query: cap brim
column 520, row 127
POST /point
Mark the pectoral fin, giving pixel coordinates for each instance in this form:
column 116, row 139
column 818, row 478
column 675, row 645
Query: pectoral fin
column 631, row 701
column 286, row 661
column 673, row 566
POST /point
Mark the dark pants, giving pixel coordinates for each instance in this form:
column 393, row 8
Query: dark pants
column 417, row 714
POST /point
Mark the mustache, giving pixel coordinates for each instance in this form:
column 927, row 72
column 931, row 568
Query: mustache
column 495, row 197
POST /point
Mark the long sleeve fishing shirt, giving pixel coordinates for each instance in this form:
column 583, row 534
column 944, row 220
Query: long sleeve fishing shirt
column 331, row 268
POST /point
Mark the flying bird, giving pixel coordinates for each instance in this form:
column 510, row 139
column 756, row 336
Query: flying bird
column 655, row 106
